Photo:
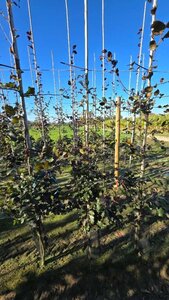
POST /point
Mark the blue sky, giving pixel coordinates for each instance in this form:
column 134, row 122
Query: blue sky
column 122, row 22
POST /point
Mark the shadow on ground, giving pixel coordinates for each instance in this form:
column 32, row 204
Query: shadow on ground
column 121, row 274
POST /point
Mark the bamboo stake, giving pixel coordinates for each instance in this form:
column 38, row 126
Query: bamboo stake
column 86, row 72
column 151, row 58
column 117, row 141
column 19, row 75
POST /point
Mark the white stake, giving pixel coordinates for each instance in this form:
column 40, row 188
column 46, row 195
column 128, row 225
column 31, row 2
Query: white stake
column 71, row 73
column 103, row 72
column 86, row 70
column 151, row 57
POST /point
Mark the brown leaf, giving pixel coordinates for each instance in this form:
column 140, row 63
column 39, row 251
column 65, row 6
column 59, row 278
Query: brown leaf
column 153, row 11
column 156, row 93
column 158, row 27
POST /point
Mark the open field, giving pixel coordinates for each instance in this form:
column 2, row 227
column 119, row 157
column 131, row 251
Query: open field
column 84, row 150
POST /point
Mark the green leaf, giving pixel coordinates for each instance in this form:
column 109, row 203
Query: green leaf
column 160, row 212
column 30, row 92
column 10, row 111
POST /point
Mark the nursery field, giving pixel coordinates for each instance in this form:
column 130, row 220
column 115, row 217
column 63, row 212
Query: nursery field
column 84, row 150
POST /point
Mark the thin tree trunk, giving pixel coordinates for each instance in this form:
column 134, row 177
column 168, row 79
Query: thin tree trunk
column 94, row 97
column 30, row 67
column 60, row 105
column 138, row 77
column 117, row 141
column 19, row 75
column 103, row 75
column 55, row 92
column 151, row 58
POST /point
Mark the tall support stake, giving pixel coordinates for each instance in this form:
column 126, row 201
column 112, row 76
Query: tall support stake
column 117, row 141
column 39, row 97
column 60, row 105
column 138, row 76
column 103, row 72
column 71, row 74
column 141, row 47
column 30, row 67
column 151, row 58
column 86, row 72
column 94, row 97
column 19, row 75
column 113, row 91
column 55, row 92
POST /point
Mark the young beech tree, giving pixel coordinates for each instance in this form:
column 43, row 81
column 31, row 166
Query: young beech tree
column 26, row 197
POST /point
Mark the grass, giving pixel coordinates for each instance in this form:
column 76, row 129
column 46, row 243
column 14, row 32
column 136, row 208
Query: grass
column 67, row 131
column 53, row 132
column 114, row 272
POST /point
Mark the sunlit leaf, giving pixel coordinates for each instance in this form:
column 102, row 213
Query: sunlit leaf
column 15, row 120
column 109, row 55
column 82, row 151
column 153, row 45
column 30, row 92
column 148, row 89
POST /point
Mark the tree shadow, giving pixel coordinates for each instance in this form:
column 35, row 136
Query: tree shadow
column 49, row 226
column 15, row 246
column 121, row 274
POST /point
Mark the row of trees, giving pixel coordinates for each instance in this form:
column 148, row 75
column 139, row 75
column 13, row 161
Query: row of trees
column 29, row 167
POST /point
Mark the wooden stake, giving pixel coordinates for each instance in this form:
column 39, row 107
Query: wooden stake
column 117, row 141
